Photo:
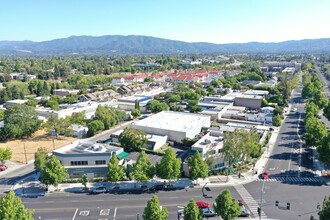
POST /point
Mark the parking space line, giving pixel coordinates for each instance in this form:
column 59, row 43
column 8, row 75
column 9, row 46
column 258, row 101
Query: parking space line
column 74, row 216
column 114, row 214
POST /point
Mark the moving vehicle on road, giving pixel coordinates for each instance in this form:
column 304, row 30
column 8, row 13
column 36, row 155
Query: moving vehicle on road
column 207, row 212
column 3, row 167
column 203, row 205
column 265, row 174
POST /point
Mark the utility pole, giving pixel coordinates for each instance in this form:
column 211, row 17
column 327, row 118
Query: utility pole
column 25, row 153
column 53, row 143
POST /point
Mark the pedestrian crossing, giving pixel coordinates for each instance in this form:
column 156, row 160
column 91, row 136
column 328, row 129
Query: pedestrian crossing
column 250, row 202
column 293, row 179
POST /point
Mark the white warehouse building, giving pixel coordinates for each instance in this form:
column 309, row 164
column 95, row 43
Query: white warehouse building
column 175, row 125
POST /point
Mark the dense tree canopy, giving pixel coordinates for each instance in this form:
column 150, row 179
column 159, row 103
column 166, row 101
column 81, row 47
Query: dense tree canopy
column 197, row 167
column 143, row 169
column 53, row 172
column 12, row 207
column 169, row 166
column 21, row 121
column 132, row 139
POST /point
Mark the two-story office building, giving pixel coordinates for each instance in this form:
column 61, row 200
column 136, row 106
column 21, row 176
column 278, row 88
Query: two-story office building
column 88, row 158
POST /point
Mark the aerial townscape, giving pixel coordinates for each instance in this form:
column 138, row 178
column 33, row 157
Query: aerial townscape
column 164, row 110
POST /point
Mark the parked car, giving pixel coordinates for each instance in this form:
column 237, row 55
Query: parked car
column 203, row 205
column 207, row 212
column 265, row 174
column 244, row 212
column 3, row 167
column 157, row 187
column 99, row 190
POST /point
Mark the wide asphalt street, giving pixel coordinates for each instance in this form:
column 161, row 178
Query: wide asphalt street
column 64, row 206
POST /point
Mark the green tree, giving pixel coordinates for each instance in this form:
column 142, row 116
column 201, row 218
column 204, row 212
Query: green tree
column 197, row 167
column 103, row 114
column 188, row 142
column 32, row 103
column 40, row 158
column 324, row 150
column 156, row 106
column 94, row 127
column 277, row 120
column 53, row 173
column 84, row 180
column 174, row 98
column 53, row 104
column 312, row 108
column 12, row 207
column 315, row 131
column 132, row 139
column 135, row 113
column 192, row 212
column 78, row 118
column 137, row 104
column 226, row 207
column 169, row 166
column 21, row 121
column 324, row 209
column 115, row 171
column 143, row 169
column 153, row 210
column 5, row 154
column 58, row 126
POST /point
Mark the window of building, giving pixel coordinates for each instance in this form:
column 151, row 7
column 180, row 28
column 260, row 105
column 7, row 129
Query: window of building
column 99, row 162
column 79, row 163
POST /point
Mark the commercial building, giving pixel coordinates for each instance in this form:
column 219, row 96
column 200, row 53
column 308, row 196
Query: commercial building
column 15, row 102
column 88, row 158
column 154, row 141
column 249, row 101
column 88, row 108
column 280, row 66
column 209, row 144
column 65, row 92
column 175, row 125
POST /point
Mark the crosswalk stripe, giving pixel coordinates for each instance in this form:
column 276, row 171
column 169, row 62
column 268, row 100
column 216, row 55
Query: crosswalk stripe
column 249, row 200
column 293, row 179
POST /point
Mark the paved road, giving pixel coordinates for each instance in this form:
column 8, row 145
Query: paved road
column 290, row 157
column 10, row 177
column 115, row 207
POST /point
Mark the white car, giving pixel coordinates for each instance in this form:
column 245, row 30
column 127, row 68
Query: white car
column 208, row 212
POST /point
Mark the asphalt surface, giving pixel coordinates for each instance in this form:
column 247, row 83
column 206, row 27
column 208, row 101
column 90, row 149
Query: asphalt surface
column 290, row 157
column 63, row 206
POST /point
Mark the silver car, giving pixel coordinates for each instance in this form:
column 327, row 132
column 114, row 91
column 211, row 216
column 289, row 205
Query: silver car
column 207, row 212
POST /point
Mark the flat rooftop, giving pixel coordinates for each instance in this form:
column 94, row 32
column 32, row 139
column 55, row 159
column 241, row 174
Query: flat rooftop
column 176, row 121
column 79, row 147
column 245, row 96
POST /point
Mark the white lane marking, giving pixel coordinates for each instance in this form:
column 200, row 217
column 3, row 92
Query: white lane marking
column 75, row 213
column 114, row 214
column 287, row 175
column 84, row 212
column 105, row 212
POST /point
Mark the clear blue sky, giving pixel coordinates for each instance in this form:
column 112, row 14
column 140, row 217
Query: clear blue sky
column 217, row 21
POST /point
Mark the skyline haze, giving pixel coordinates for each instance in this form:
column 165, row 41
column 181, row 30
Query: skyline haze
column 220, row 22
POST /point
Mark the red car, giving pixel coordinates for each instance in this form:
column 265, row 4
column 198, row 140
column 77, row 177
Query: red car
column 3, row 167
column 203, row 205
column 265, row 175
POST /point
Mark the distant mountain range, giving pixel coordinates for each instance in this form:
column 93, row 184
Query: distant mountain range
column 144, row 45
